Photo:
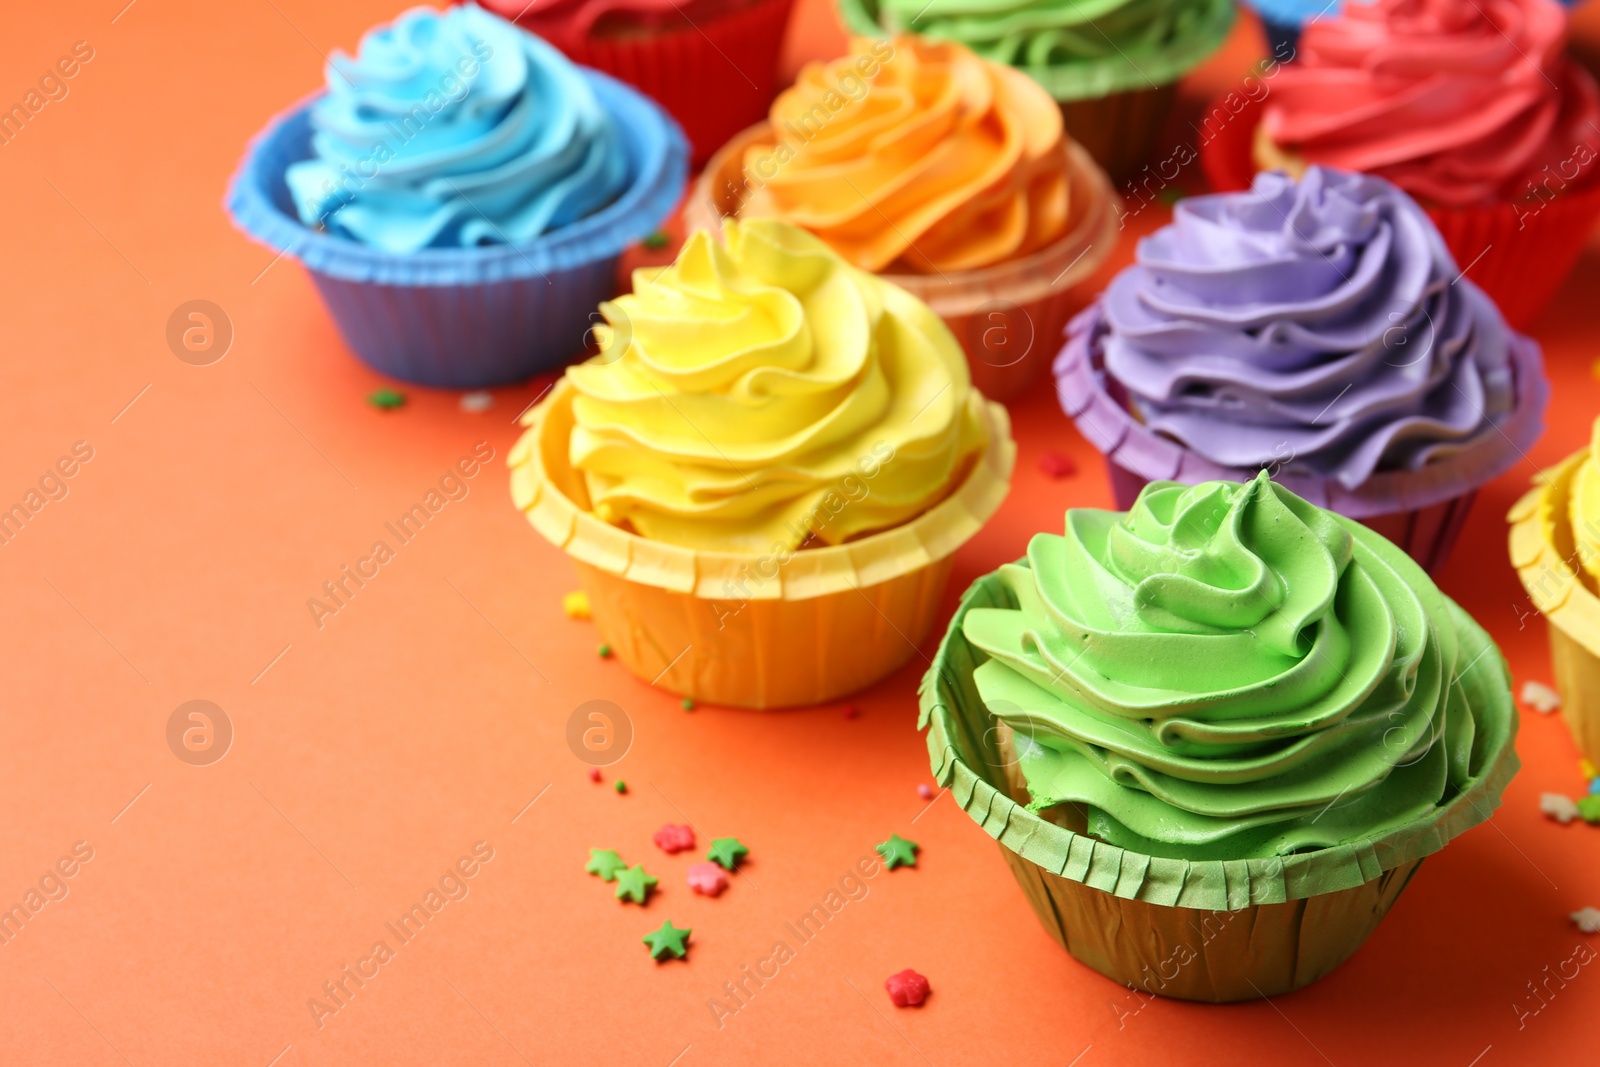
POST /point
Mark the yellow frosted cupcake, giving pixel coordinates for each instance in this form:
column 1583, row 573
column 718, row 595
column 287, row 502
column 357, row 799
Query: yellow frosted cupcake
column 763, row 475
column 1555, row 546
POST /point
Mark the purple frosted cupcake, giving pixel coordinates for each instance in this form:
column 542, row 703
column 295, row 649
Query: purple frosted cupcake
column 1316, row 329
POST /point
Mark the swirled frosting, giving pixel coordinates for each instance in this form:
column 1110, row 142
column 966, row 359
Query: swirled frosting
column 564, row 20
column 1455, row 101
column 1319, row 323
column 1090, row 47
column 1229, row 672
column 914, row 156
column 454, row 129
column 1582, row 512
column 763, row 395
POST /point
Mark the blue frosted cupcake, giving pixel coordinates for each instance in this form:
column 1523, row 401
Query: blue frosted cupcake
column 1282, row 20
column 460, row 194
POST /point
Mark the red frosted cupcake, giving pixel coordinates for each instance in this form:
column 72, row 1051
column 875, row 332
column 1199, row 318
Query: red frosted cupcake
column 711, row 63
column 1472, row 108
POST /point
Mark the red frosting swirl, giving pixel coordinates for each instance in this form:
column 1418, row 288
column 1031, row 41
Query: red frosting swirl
column 559, row 21
column 1455, row 101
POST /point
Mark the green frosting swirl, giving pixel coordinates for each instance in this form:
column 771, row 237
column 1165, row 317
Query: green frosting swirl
column 1230, row 672
column 1074, row 48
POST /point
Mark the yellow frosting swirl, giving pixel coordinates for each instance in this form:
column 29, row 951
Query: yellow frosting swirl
column 915, row 156
column 1583, row 511
column 765, row 394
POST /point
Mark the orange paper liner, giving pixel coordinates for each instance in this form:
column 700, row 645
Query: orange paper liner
column 1569, row 606
column 1518, row 253
column 1009, row 318
column 1120, row 130
column 744, row 630
column 1206, row 929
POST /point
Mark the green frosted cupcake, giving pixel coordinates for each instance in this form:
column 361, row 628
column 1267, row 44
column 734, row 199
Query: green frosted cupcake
column 1111, row 64
column 1226, row 700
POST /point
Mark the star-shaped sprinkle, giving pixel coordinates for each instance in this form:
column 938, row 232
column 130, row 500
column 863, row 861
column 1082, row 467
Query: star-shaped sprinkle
column 476, row 402
column 604, row 651
column 386, row 399
column 656, row 241
column 907, row 989
column 1540, row 697
column 727, row 851
column 1057, row 465
column 633, row 884
column 1589, row 808
column 605, row 862
column 621, row 786
column 1587, row 769
column 668, row 941
column 1588, row 920
column 687, row 703
column 707, row 879
column 1558, row 807
column 897, row 851
column 576, row 605
column 673, row 839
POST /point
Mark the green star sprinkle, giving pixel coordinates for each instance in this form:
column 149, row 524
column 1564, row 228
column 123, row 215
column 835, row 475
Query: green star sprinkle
column 386, row 399
column 656, row 240
column 605, row 862
column 1170, row 195
column 687, row 703
column 605, row 651
column 668, row 941
column 633, row 884
column 621, row 787
column 727, row 852
column 897, row 851
column 1589, row 808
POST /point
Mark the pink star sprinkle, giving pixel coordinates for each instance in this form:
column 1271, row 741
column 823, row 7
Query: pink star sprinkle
column 707, row 879
column 673, row 839
column 907, row 989
column 925, row 791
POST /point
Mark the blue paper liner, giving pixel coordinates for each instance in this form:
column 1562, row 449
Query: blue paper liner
column 468, row 317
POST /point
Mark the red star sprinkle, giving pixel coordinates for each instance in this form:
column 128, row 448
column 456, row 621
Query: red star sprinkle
column 673, row 839
column 907, row 989
column 852, row 712
column 707, row 879
column 594, row 774
column 1056, row 465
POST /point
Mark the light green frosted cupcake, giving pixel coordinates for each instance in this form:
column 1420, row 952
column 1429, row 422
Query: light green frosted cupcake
column 1112, row 65
column 1225, row 700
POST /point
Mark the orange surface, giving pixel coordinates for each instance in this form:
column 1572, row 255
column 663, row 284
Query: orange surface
column 430, row 712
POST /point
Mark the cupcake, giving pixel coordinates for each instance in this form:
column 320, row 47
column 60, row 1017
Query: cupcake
column 946, row 173
column 1555, row 546
column 713, row 64
column 1216, row 735
column 762, row 477
column 461, row 194
column 1316, row 329
column 1282, row 21
column 1473, row 109
column 1112, row 65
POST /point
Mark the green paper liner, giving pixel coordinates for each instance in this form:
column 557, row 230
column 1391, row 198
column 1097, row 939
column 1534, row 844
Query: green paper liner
column 1299, row 916
column 1569, row 606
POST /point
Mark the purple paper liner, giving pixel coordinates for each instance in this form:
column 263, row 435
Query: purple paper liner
column 1082, row 387
column 468, row 317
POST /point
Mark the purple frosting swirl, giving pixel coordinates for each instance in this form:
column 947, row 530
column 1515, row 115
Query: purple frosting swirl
column 1319, row 323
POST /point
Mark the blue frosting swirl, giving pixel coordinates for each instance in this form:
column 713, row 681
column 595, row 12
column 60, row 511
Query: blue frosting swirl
column 455, row 129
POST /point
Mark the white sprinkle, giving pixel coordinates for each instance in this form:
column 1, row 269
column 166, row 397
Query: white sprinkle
column 473, row 403
column 1558, row 807
column 1540, row 697
column 1588, row 920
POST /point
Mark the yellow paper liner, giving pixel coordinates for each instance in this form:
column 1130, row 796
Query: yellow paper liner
column 744, row 630
column 1009, row 318
column 1542, row 552
column 1206, row 929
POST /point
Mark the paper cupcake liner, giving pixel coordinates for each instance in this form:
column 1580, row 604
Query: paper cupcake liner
column 1120, row 129
column 1426, row 507
column 1570, row 608
column 715, row 76
column 467, row 317
column 1228, row 929
column 745, row 630
column 1426, row 534
column 1518, row 253
column 1087, row 80
column 1008, row 318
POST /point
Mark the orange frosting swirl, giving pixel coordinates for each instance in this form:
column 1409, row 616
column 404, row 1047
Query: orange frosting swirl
column 914, row 156
column 1455, row 101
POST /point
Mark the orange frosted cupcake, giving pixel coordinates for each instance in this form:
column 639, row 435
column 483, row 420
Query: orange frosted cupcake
column 947, row 173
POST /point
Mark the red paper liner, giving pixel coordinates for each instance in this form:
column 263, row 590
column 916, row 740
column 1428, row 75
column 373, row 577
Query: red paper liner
column 1426, row 534
column 715, row 76
column 1518, row 253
